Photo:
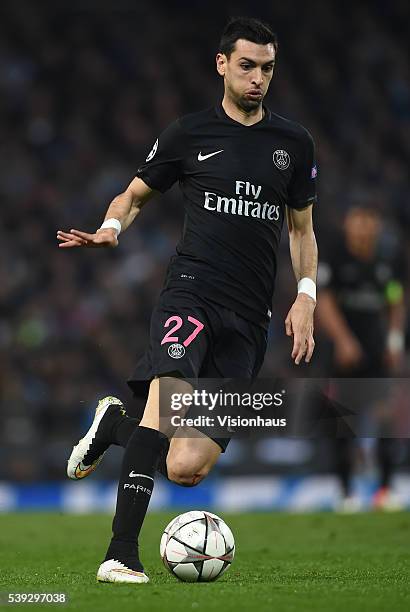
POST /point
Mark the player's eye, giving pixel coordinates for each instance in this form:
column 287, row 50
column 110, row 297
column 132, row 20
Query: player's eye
column 268, row 68
column 246, row 66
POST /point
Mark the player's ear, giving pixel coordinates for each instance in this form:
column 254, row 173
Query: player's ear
column 221, row 63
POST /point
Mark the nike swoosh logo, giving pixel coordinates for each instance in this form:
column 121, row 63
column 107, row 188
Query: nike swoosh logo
column 202, row 157
column 81, row 471
column 133, row 474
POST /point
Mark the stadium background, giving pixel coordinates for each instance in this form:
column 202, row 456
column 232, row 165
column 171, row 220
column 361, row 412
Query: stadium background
column 84, row 92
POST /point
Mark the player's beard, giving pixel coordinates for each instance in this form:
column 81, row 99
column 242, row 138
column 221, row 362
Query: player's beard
column 249, row 105
column 244, row 103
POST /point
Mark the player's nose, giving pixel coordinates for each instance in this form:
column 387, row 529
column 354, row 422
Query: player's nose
column 257, row 77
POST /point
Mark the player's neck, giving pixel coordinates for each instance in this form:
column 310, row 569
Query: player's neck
column 241, row 116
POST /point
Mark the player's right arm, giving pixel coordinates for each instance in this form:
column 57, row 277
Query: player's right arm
column 161, row 169
column 125, row 207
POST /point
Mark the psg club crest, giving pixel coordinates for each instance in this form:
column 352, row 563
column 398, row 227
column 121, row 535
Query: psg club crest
column 176, row 351
column 281, row 159
column 153, row 151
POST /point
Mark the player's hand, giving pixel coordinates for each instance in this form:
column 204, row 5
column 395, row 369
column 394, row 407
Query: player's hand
column 299, row 324
column 348, row 352
column 75, row 238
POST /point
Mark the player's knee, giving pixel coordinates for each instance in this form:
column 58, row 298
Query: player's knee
column 186, row 475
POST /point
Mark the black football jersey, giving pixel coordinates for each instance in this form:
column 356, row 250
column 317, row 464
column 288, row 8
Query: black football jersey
column 235, row 181
column 361, row 289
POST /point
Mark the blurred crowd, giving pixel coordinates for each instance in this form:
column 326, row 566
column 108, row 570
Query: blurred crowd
column 85, row 89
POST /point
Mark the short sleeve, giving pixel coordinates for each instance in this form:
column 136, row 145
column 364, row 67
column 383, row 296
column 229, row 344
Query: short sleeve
column 163, row 165
column 302, row 186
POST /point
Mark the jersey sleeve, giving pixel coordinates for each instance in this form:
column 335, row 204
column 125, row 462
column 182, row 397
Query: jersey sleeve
column 163, row 165
column 302, row 186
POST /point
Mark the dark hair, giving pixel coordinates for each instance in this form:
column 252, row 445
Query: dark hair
column 248, row 28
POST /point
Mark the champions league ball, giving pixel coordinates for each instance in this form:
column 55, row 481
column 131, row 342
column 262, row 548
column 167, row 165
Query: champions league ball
column 197, row 546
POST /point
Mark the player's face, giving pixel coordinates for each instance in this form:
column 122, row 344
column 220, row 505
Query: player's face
column 362, row 226
column 247, row 73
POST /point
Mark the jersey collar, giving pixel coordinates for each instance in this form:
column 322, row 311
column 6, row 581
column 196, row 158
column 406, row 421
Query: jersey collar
column 219, row 109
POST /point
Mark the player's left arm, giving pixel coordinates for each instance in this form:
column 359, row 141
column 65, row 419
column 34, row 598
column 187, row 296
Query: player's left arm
column 304, row 256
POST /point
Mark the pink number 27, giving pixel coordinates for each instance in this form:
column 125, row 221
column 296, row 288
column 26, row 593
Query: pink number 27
column 178, row 323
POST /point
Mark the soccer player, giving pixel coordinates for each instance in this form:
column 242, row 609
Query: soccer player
column 242, row 169
column 361, row 309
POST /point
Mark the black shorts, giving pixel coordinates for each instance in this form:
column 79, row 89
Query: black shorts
column 193, row 337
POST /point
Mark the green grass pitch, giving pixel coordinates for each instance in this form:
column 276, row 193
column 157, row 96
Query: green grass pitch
column 314, row 562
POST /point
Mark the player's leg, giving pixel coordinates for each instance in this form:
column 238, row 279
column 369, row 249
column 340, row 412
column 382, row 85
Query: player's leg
column 122, row 563
column 182, row 334
column 346, row 452
column 191, row 457
column 238, row 352
column 344, row 468
column 385, row 498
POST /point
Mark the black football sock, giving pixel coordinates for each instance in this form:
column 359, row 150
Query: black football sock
column 134, row 492
column 122, row 431
column 343, row 464
column 112, row 419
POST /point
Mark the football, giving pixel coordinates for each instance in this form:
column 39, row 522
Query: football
column 197, row 546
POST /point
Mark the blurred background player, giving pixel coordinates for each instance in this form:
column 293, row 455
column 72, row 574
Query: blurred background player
column 361, row 310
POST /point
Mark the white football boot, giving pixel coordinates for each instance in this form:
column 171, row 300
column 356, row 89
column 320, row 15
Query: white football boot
column 115, row 571
column 76, row 469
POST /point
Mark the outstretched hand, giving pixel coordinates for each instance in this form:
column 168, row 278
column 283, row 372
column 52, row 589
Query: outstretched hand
column 75, row 238
column 299, row 324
